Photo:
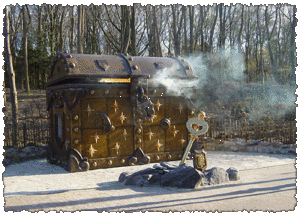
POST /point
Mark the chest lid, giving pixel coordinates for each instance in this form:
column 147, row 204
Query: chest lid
column 84, row 68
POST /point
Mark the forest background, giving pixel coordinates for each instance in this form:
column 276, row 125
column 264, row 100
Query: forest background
column 263, row 35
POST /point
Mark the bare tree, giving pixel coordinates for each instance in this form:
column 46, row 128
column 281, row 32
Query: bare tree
column 293, row 46
column 80, row 28
column 191, row 16
column 11, row 76
column 212, row 29
column 25, row 31
column 61, row 32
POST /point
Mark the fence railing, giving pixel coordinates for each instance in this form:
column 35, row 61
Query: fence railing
column 267, row 130
column 31, row 131
column 35, row 131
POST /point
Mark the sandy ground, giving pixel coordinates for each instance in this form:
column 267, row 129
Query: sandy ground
column 268, row 183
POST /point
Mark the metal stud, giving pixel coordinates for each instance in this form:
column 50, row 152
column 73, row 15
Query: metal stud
column 109, row 162
column 139, row 130
column 92, row 92
column 75, row 117
column 72, row 65
column 76, row 129
column 130, row 58
column 95, row 164
column 187, row 68
column 106, row 92
column 154, row 91
column 157, row 157
column 122, row 161
column 139, row 141
column 68, row 129
column 179, row 156
column 76, row 141
column 169, row 156
column 135, row 67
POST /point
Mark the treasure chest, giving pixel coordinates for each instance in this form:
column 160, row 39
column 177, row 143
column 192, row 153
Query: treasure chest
column 109, row 111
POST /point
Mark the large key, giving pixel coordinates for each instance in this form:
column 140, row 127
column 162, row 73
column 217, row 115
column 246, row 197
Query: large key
column 195, row 133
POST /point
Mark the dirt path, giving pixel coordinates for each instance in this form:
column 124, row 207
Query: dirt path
column 270, row 188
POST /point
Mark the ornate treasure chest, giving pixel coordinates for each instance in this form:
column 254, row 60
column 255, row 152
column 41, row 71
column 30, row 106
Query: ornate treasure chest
column 108, row 111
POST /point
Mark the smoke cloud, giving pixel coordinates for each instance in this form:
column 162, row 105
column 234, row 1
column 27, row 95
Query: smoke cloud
column 221, row 86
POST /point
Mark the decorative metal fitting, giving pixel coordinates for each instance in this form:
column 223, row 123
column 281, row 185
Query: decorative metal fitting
column 106, row 92
column 139, row 141
column 95, row 164
column 180, row 155
column 135, row 67
column 122, row 161
column 76, row 141
column 192, row 112
column 72, row 65
column 154, row 91
column 130, row 58
column 165, row 123
column 139, row 130
column 92, row 92
column 109, row 162
column 157, row 157
column 169, row 156
column 76, row 129
column 75, row 118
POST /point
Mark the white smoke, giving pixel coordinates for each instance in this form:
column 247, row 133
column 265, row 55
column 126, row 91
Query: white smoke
column 221, row 82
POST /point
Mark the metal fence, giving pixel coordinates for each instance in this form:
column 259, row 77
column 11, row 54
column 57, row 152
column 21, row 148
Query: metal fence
column 264, row 130
column 31, row 131
column 35, row 131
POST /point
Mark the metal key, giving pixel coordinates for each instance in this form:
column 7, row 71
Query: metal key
column 195, row 133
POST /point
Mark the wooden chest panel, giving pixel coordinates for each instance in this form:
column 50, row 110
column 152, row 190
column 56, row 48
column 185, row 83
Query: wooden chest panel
column 107, row 111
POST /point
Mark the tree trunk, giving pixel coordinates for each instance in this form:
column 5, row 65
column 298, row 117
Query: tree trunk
column 293, row 46
column 80, row 29
column 24, row 37
column 212, row 30
column 133, row 33
column 240, row 31
column 61, row 38
column 176, row 29
column 269, row 36
column 185, row 40
column 11, row 77
column 125, row 29
column 191, row 15
column 72, row 30
column 158, row 50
